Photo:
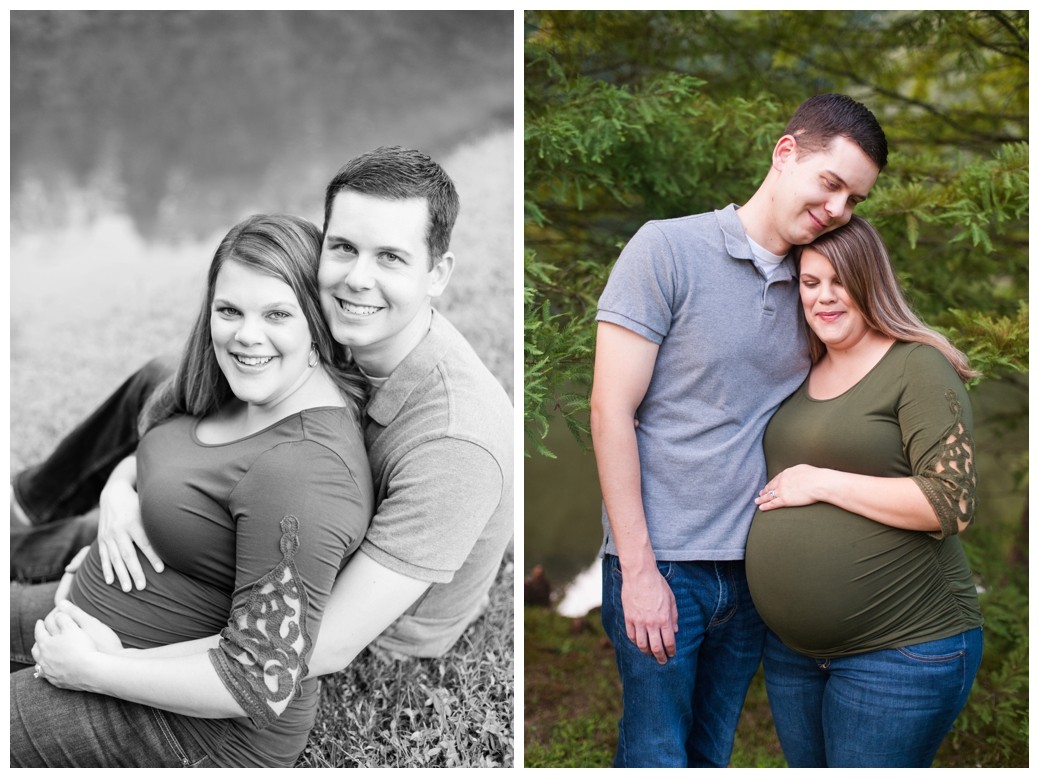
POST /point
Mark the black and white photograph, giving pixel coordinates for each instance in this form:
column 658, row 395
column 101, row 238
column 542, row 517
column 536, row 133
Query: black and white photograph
column 262, row 388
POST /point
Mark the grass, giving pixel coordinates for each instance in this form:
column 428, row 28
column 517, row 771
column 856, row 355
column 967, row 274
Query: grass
column 91, row 304
column 571, row 692
column 453, row 711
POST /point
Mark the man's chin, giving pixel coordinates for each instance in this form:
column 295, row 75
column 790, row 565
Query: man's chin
column 346, row 341
column 344, row 335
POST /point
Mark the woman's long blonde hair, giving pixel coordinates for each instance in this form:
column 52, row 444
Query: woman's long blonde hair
column 861, row 262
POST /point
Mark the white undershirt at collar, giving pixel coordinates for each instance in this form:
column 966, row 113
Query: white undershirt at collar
column 765, row 260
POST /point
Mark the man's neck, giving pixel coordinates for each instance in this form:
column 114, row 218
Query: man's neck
column 755, row 216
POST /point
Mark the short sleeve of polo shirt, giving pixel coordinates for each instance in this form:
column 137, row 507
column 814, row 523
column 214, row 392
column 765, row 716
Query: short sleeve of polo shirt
column 442, row 494
column 639, row 294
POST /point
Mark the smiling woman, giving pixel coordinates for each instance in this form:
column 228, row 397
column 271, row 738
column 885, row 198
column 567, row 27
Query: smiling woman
column 853, row 558
column 261, row 301
column 830, row 311
column 261, row 340
column 255, row 488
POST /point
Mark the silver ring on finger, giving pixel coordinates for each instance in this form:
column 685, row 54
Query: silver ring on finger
column 772, row 494
column 37, row 671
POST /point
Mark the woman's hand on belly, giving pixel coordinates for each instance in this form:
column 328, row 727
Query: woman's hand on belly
column 797, row 485
column 893, row 501
column 120, row 531
column 65, row 642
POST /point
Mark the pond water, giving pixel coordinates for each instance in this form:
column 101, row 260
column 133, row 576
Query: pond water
column 562, row 505
column 183, row 120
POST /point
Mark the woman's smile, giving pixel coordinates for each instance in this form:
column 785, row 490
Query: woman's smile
column 251, row 361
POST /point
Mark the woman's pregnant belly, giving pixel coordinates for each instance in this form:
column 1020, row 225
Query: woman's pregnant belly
column 171, row 608
column 829, row 582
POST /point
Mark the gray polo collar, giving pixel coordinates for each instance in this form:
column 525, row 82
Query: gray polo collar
column 390, row 398
column 738, row 247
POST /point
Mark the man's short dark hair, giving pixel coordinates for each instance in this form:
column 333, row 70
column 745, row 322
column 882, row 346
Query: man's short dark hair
column 396, row 173
column 820, row 119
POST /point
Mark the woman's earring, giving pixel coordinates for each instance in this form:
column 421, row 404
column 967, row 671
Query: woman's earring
column 314, row 357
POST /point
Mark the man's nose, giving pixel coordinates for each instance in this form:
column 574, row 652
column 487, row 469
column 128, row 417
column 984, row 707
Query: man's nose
column 837, row 205
column 360, row 275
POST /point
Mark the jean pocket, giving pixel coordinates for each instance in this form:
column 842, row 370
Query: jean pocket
column 666, row 569
column 935, row 651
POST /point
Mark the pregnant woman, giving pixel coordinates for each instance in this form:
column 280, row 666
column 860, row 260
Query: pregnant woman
column 853, row 558
column 255, row 489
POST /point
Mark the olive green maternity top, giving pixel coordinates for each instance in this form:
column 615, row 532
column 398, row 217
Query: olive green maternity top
column 833, row 583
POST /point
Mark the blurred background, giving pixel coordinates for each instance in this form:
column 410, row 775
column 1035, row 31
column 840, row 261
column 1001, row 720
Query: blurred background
column 139, row 138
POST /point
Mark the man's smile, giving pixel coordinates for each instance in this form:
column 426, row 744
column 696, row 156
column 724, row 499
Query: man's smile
column 819, row 224
column 356, row 309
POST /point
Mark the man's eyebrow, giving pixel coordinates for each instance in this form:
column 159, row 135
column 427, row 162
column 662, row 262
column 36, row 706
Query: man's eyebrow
column 331, row 238
column 394, row 250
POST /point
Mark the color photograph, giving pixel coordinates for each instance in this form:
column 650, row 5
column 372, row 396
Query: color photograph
column 776, row 388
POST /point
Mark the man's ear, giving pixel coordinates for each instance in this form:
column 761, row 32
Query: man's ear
column 786, row 149
column 441, row 274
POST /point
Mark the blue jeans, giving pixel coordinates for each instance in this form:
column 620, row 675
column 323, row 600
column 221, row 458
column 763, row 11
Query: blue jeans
column 684, row 713
column 57, row 493
column 53, row 727
column 887, row 708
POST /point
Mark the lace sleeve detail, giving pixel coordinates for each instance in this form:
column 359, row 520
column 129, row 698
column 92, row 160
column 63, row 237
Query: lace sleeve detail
column 949, row 481
column 262, row 653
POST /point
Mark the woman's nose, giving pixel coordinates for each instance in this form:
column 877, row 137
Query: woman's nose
column 248, row 333
column 827, row 294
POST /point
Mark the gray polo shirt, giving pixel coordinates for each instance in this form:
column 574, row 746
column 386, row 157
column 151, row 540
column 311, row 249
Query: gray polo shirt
column 439, row 440
column 732, row 348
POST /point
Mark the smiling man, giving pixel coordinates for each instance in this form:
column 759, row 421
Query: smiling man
column 377, row 276
column 438, row 427
column 699, row 338
column 438, row 430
